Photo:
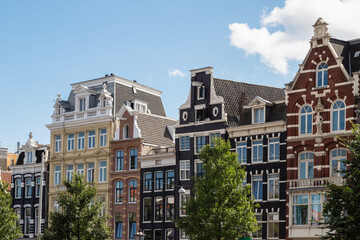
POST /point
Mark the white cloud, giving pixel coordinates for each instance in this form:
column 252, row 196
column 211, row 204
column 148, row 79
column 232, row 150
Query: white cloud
column 285, row 32
column 175, row 72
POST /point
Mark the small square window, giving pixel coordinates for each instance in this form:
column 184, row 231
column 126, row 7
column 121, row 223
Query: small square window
column 259, row 115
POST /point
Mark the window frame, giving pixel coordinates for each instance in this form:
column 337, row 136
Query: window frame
column 119, row 191
column 91, row 139
column 132, row 191
column 103, row 137
column 80, row 170
column 259, row 223
column 339, row 160
column 339, row 111
column 158, row 218
column 148, row 182
column 186, row 171
column 28, row 187
column 275, row 143
column 260, row 195
column 82, row 104
column 69, row 172
column 57, row 175
column 183, row 197
column 171, row 209
column 70, row 142
column 259, row 144
column 306, row 161
column 119, row 161
column 255, row 116
column 273, row 222
column 276, row 178
column 131, row 222
column 126, row 132
column 115, row 225
column 200, row 92
column 147, row 207
column 197, row 149
column 90, row 172
column 159, row 181
column 324, row 77
column 133, row 166
column 57, row 143
column 81, row 141
column 37, row 186
column 102, row 171
column 18, row 188
column 27, row 222
column 184, row 143
column 172, row 179
column 243, row 146
column 307, row 117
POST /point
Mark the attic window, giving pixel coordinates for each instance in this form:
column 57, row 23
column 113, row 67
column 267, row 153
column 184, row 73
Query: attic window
column 134, row 90
column 200, row 115
column 258, row 115
column 357, row 54
column 201, row 92
column 29, row 157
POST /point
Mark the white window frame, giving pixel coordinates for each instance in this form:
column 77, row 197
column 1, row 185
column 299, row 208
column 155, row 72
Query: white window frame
column 36, row 222
column 212, row 136
column 27, row 231
column 310, row 204
column 91, row 139
column 306, row 114
column 307, row 160
column 37, row 184
column 56, row 206
column 90, row 172
column 28, row 185
column 161, row 184
column 57, row 175
column 102, row 171
column 196, row 144
column 57, row 143
column 103, row 137
column 183, row 196
column 151, row 204
column 183, row 164
column 82, row 104
column 259, row 222
column 258, row 143
column 81, row 141
column 70, row 142
column 166, row 208
column 201, row 89
column 257, row 178
column 322, row 71
column 243, row 148
column 69, row 172
column 166, row 183
column 126, row 132
column 121, row 190
column 273, row 221
column 184, row 143
column 17, row 185
column 80, row 170
column 275, row 143
column 196, row 167
column 261, row 120
column 135, row 194
column 29, row 157
column 119, row 159
column 275, row 178
column 161, row 209
column 338, row 159
column 338, row 110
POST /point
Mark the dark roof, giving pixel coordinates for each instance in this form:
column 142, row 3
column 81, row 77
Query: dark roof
column 153, row 129
column 231, row 91
column 38, row 154
column 347, row 50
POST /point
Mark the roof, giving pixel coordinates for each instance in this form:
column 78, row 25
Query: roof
column 232, row 91
column 347, row 50
column 154, row 129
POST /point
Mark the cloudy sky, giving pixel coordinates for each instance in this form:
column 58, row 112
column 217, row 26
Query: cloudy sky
column 47, row 45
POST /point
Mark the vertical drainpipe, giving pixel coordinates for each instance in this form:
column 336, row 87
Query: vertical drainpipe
column 44, row 157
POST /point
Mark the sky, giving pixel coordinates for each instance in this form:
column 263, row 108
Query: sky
column 47, row 45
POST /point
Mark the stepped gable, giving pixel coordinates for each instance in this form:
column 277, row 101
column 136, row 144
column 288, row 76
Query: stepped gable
column 231, row 92
column 154, row 129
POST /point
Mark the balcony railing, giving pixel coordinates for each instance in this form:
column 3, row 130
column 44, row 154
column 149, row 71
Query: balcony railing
column 89, row 113
column 314, row 182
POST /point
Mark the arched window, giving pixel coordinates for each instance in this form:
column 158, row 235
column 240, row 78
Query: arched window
column 338, row 116
column 306, row 120
column 306, row 164
column 126, row 132
column 322, row 75
column 337, row 158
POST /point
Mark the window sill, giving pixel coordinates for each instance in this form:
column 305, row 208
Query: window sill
column 184, row 150
column 170, row 189
column 132, row 203
column 321, row 87
column 118, row 203
column 147, row 191
column 185, row 179
column 159, row 190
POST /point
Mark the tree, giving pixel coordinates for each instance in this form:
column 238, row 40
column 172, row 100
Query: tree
column 9, row 229
column 341, row 209
column 79, row 217
column 222, row 207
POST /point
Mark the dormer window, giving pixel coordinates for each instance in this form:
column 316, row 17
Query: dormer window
column 103, row 102
column 140, row 107
column 126, row 132
column 134, row 90
column 57, row 110
column 322, row 75
column 29, row 157
column 259, row 115
column 201, row 92
column 200, row 115
column 82, row 104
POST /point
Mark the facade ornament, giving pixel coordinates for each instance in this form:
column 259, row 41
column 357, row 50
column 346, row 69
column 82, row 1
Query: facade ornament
column 30, row 135
column 318, row 118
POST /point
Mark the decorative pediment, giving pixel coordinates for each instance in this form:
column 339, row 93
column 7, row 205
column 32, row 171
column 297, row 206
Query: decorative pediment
column 30, row 144
column 81, row 89
column 101, row 152
column 105, row 98
column 55, row 157
column 259, row 101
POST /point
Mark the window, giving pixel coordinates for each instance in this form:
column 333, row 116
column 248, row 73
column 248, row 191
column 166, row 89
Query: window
column 147, row 209
column 57, row 175
column 70, row 142
column 213, row 136
column 199, row 169
column 103, row 137
column 257, row 151
column 119, row 191
column 36, row 220
column 133, row 158
column 18, row 188
column 300, row 209
column 56, row 205
column 57, row 143
column 169, row 234
column 158, row 234
column 257, row 187
column 80, row 168
column 170, row 208
column 120, row 160
column 90, row 172
column 159, row 209
column 159, row 180
column 183, row 198
column 258, row 233
column 184, row 143
column 18, row 215
column 183, row 235
column 274, row 149
column 147, row 182
column 185, row 170
column 259, row 116
column 200, row 115
column 338, row 116
column 316, row 209
column 273, row 186
column 306, row 120
column 132, row 191
column 28, row 188
column 126, row 132
column 27, row 221
column 322, row 75
column 201, row 92
column 200, row 143
column 103, row 205
column 81, row 141
column 170, row 179
column 69, row 172
column 29, row 157
column 273, row 225
column 91, row 139
column 140, row 107
column 148, row 235
column 241, row 149
column 37, row 188
column 82, row 104
column 118, row 226
column 337, row 158
column 306, row 165
column 103, row 102
column 132, row 225
column 102, row 171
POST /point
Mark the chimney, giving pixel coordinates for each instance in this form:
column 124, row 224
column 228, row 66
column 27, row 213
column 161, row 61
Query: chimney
column 241, row 103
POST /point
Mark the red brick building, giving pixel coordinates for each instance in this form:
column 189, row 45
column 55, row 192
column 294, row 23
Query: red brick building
column 136, row 133
column 321, row 102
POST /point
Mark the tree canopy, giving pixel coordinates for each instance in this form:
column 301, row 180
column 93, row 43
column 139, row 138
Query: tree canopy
column 221, row 207
column 79, row 217
column 9, row 229
column 341, row 209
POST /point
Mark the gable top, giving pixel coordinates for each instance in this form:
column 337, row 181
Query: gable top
column 259, row 101
column 31, row 146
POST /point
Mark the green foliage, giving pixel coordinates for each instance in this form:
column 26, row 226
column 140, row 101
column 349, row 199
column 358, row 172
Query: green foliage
column 9, row 229
column 78, row 218
column 222, row 207
column 342, row 210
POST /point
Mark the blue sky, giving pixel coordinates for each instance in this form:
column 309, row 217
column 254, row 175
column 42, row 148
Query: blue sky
column 47, row 45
